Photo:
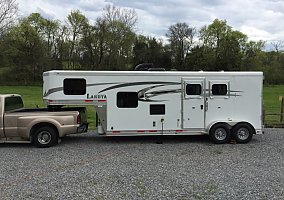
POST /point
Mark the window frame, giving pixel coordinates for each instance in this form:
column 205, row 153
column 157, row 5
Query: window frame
column 193, row 84
column 219, row 82
column 123, row 106
column 199, row 81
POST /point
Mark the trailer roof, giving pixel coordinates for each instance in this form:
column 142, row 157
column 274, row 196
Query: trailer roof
column 151, row 73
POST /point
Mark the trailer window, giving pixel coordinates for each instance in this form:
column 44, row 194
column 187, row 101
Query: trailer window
column 127, row 99
column 74, row 86
column 157, row 109
column 219, row 89
column 193, row 89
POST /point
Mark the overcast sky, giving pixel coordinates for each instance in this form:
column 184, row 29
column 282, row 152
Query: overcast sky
column 259, row 19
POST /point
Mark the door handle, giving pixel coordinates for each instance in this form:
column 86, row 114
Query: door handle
column 201, row 106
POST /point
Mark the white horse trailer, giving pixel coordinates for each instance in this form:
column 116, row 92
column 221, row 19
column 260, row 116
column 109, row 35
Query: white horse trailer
column 220, row 104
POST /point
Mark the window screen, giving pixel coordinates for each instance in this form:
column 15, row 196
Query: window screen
column 193, row 89
column 127, row 99
column 74, row 86
column 219, row 89
column 157, row 109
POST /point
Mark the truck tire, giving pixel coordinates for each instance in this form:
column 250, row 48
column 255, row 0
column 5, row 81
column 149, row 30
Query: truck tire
column 44, row 136
column 242, row 133
column 219, row 133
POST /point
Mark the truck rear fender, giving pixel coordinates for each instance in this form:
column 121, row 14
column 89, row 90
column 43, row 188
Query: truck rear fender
column 40, row 122
column 43, row 124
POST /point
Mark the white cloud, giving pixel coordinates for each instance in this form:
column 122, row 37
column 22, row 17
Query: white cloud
column 255, row 34
column 259, row 19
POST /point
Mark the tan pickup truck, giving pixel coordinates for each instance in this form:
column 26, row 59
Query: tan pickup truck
column 41, row 126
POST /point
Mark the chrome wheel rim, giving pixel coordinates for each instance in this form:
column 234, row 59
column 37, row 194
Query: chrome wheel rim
column 44, row 137
column 243, row 133
column 220, row 134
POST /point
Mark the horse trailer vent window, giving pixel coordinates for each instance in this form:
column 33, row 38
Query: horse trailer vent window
column 219, row 89
column 193, row 89
column 74, row 86
column 127, row 100
column 157, row 109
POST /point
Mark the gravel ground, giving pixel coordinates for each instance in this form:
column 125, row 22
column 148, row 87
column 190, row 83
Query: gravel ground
column 91, row 167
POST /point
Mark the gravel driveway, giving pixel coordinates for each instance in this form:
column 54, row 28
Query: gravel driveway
column 90, row 167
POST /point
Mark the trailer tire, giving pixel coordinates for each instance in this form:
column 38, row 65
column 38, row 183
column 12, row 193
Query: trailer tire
column 220, row 133
column 45, row 136
column 242, row 133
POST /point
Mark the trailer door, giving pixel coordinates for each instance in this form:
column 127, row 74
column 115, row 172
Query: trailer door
column 193, row 108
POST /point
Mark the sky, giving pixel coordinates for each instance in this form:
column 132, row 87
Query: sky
column 258, row 19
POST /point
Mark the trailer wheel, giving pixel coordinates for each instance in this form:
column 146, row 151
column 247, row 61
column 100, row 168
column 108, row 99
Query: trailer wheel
column 45, row 136
column 242, row 133
column 219, row 133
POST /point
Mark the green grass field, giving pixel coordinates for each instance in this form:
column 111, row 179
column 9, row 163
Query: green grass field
column 32, row 96
column 271, row 102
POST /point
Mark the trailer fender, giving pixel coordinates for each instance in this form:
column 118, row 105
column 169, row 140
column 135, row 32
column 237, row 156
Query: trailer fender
column 229, row 126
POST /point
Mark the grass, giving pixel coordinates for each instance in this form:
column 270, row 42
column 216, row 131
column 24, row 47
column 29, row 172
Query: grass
column 32, row 96
column 271, row 102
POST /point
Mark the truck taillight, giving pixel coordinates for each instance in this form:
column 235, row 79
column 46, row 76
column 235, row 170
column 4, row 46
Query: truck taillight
column 79, row 119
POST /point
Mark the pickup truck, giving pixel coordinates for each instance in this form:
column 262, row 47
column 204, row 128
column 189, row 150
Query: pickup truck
column 41, row 126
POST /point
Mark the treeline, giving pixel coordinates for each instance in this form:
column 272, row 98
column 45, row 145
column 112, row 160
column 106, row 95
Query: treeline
column 36, row 44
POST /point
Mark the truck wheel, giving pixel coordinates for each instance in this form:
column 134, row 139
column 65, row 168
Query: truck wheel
column 242, row 133
column 44, row 137
column 219, row 134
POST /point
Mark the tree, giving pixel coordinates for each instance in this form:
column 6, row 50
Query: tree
column 100, row 44
column 76, row 23
column 223, row 44
column 8, row 11
column 118, row 25
column 36, row 44
column 279, row 47
column 251, row 55
column 50, row 32
column 126, row 16
column 181, row 40
column 150, row 50
column 24, row 49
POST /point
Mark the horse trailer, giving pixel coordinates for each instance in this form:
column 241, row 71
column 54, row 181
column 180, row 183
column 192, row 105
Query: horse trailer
column 223, row 105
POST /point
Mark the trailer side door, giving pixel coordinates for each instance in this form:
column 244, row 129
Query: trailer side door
column 193, row 104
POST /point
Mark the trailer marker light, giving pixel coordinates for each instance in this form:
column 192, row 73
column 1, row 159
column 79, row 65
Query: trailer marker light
column 101, row 100
column 115, row 132
column 178, row 131
column 141, row 131
column 88, row 100
column 153, row 131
